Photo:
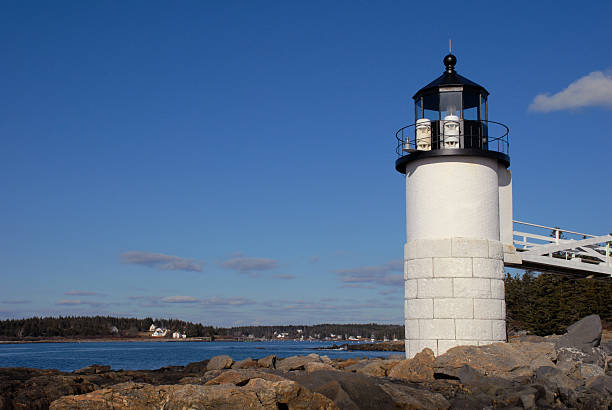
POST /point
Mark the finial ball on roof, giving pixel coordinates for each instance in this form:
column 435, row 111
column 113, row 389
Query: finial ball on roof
column 450, row 61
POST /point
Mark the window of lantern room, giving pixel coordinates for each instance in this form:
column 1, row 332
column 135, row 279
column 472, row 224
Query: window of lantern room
column 450, row 113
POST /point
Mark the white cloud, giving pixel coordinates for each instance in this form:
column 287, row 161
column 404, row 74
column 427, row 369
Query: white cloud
column 381, row 275
column 594, row 89
column 249, row 265
column 284, row 276
column 180, row 299
column 236, row 301
column 161, row 261
column 81, row 293
column 78, row 302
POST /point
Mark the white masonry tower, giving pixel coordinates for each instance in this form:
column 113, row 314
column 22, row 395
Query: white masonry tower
column 458, row 215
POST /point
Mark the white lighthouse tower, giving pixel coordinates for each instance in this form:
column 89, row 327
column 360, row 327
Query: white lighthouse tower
column 458, row 215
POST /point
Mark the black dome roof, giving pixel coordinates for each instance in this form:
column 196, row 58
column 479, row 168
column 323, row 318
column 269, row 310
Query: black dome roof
column 450, row 78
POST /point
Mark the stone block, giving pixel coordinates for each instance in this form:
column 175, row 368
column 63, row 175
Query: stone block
column 407, row 349
column 419, row 309
column 485, row 342
column 496, row 250
column 418, row 268
column 468, row 247
column 504, row 309
column 437, row 328
column 454, row 308
column 452, row 267
column 411, row 288
column 429, row 248
column 497, row 289
column 473, row 329
column 488, row 268
column 471, row 288
column 488, row 309
column 435, row 288
column 513, row 258
column 499, row 330
column 412, row 329
column 444, row 345
column 410, row 250
column 417, row 346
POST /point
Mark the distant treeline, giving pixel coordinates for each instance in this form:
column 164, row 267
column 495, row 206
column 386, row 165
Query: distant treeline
column 317, row 331
column 107, row 326
column 96, row 326
column 547, row 304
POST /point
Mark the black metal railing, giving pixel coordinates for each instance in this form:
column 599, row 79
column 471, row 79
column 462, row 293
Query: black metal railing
column 453, row 134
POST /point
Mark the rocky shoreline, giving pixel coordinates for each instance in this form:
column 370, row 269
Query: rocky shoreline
column 569, row 371
column 398, row 346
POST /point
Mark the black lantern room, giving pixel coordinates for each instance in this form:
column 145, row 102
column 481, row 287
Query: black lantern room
column 451, row 116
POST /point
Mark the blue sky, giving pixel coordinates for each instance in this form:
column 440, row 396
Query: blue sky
column 233, row 162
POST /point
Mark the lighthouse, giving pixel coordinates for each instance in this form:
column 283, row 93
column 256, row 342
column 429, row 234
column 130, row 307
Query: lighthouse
column 458, row 216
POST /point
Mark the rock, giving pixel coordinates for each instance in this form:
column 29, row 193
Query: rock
column 600, row 384
column 268, row 362
column 346, row 363
column 583, row 335
column 373, row 368
column 316, row 367
column 242, row 377
column 357, row 366
column 556, row 381
column 247, row 363
column 508, row 360
column 296, row 362
column 92, row 369
column 326, row 359
column 361, row 390
column 588, row 371
column 405, row 397
column 606, row 347
column 592, row 355
column 219, row 362
column 289, row 393
column 257, row 394
column 417, row 369
column 334, row 391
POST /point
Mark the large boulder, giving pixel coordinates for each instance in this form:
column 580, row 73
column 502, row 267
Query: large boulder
column 247, row 363
column 92, row 369
column 257, row 394
column 268, row 362
column 557, row 382
column 297, row 362
column 417, row 369
column 348, row 390
column 220, row 362
column 583, row 335
column 242, row 377
column 406, row 397
column 508, row 360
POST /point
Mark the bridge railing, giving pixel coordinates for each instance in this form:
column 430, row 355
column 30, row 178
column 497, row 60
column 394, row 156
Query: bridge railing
column 528, row 236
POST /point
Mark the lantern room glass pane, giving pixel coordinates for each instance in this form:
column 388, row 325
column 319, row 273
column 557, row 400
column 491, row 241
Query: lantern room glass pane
column 418, row 109
column 431, row 107
column 471, row 105
column 450, row 103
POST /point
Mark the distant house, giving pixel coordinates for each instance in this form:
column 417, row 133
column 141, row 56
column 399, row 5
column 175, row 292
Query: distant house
column 152, row 328
column 114, row 329
column 159, row 332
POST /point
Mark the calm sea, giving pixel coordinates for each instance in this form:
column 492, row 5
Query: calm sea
column 153, row 355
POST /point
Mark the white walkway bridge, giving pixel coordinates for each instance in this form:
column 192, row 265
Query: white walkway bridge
column 560, row 251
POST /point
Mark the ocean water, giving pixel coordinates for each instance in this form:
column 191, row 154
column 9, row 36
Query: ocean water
column 153, row 355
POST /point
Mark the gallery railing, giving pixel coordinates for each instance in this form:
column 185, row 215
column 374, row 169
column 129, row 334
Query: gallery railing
column 452, row 134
